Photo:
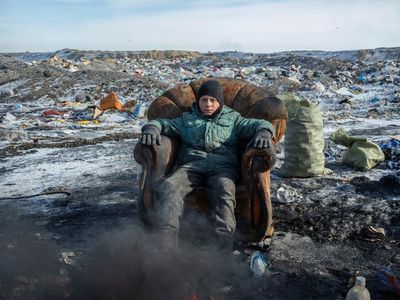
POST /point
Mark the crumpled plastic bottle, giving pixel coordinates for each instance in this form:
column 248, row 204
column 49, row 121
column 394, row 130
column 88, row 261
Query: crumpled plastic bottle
column 258, row 263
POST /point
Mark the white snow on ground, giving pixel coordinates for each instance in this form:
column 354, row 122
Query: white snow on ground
column 8, row 88
column 69, row 168
column 362, row 123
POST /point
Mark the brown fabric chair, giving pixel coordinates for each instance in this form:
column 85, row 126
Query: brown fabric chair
column 254, row 210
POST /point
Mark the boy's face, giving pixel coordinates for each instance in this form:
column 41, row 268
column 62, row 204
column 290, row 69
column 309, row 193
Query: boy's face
column 208, row 105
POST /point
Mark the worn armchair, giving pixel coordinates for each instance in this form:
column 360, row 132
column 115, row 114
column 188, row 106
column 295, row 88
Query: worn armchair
column 253, row 210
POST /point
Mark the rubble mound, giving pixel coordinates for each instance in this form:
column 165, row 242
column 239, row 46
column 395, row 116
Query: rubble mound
column 69, row 121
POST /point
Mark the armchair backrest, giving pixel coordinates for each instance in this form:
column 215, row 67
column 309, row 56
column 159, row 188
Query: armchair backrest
column 254, row 202
column 249, row 100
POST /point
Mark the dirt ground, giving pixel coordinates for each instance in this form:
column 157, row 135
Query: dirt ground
column 69, row 226
column 90, row 244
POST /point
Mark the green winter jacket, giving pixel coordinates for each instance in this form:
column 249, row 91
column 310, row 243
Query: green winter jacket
column 215, row 139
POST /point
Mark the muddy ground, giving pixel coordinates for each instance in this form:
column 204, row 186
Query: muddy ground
column 69, row 229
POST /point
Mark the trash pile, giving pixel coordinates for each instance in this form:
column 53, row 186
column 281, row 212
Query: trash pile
column 60, row 98
column 67, row 93
column 51, row 120
column 392, row 152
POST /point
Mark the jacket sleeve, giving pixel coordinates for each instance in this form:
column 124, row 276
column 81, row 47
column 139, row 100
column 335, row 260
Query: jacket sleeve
column 248, row 127
column 168, row 127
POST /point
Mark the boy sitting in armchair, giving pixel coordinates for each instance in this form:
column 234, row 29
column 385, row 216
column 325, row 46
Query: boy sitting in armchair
column 210, row 136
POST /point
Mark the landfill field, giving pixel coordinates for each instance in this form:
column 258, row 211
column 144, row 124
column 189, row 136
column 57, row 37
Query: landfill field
column 69, row 183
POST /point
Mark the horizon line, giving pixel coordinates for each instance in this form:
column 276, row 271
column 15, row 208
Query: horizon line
column 202, row 52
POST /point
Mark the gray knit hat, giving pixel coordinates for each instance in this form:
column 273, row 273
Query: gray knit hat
column 211, row 88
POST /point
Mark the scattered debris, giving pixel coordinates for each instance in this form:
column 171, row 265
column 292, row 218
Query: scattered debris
column 358, row 291
column 390, row 277
column 110, row 102
column 325, row 240
column 139, row 111
column 97, row 113
column 129, row 106
column 361, row 154
column 68, row 258
column 287, row 194
column 52, row 112
column 9, row 118
column 373, row 234
column 392, row 152
column 258, row 263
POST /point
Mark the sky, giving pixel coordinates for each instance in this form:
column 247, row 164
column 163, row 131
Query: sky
column 202, row 25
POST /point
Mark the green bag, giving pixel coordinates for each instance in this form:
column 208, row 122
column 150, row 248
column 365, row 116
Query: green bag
column 361, row 154
column 304, row 140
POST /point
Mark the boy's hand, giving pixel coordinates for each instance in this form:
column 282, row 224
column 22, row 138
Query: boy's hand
column 150, row 135
column 262, row 140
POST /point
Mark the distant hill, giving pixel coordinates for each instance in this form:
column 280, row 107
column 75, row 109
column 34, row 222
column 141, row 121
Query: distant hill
column 365, row 55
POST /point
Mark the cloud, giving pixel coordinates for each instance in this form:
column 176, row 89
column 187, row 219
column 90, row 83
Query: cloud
column 263, row 27
column 255, row 27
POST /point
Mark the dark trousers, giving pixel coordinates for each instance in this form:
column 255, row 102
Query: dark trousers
column 169, row 196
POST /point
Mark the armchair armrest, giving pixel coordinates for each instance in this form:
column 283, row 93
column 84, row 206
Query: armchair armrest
column 256, row 164
column 258, row 160
column 156, row 162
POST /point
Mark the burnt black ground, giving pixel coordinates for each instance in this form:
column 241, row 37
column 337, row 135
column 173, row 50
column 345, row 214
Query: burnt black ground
column 318, row 246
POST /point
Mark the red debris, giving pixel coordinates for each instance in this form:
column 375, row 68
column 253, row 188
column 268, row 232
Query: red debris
column 53, row 112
